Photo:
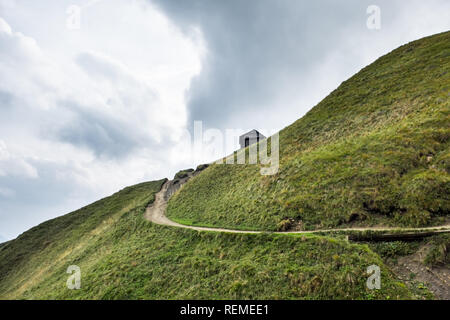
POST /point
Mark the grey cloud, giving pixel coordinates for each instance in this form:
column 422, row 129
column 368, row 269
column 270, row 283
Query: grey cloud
column 5, row 99
column 256, row 48
column 99, row 67
column 103, row 135
column 261, row 52
column 107, row 130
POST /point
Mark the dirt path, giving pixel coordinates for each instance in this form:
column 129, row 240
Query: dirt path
column 156, row 213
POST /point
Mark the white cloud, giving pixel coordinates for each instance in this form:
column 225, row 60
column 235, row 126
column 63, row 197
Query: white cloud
column 89, row 112
column 13, row 165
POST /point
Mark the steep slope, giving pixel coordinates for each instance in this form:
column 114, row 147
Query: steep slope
column 122, row 256
column 375, row 151
column 35, row 254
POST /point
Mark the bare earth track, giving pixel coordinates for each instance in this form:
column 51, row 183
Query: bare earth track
column 156, row 213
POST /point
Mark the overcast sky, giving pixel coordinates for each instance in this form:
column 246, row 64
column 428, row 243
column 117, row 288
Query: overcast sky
column 87, row 109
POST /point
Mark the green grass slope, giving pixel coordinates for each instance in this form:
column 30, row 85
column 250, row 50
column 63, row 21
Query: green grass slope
column 375, row 151
column 123, row 256
column 34, row 254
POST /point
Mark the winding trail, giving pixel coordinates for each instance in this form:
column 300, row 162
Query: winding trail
column 155, row 213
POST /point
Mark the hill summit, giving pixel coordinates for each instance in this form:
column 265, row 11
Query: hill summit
column 374, row 152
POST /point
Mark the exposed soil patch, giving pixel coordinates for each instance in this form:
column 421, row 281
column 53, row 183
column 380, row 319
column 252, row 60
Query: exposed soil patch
column 411, row 268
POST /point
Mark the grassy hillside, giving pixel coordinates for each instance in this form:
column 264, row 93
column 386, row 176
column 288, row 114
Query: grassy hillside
column 31, row 257
column 122, row 256
column 375, row 151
